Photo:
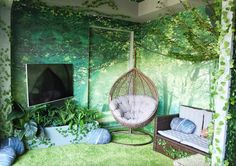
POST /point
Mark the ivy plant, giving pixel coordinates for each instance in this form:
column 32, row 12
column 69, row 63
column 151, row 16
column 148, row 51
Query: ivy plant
column 172, row 152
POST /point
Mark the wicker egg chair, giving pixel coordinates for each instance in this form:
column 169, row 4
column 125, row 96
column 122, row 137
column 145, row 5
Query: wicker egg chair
column 133, row 101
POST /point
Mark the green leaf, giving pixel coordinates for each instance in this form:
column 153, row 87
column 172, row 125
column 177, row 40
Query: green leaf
column 221, row 123
column 15, row 115
column 30, row 129
column 216, row 115
column 226, row 44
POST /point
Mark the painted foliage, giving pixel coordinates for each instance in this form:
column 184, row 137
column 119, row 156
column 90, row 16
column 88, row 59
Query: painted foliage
column 44, row 34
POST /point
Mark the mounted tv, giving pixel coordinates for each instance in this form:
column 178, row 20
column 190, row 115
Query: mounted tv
column 48, row 82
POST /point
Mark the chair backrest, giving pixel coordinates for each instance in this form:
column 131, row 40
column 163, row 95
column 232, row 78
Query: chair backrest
column 200, row 117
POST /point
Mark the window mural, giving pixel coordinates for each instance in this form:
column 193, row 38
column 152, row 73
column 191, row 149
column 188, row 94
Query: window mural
column 109, row 54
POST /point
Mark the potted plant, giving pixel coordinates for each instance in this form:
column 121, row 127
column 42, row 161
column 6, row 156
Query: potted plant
column 70, row 123
column 46, row 125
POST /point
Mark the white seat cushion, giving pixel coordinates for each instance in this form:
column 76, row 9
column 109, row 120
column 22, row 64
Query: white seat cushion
column 195, row 115
column 187, row 139
column 197, row 142
column 175, row 135
column 133, row 108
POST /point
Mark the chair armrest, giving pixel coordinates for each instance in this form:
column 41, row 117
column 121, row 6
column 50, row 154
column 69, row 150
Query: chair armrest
column 163, row 122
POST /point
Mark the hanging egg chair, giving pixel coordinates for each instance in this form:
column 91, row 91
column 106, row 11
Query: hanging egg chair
column 133, row 102
column 133, row 99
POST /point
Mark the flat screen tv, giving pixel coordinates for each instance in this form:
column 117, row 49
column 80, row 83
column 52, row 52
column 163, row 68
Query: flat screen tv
column 48, row 82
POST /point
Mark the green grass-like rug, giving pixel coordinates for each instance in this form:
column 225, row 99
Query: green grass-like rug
column 95, row 155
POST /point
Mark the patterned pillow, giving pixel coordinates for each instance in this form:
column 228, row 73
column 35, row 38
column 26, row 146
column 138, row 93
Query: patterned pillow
column 183, row 125
column 7, row 156
column 98, row 136
column 15, row 143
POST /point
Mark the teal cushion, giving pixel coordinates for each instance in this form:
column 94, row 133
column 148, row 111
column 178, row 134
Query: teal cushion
column 183, row 125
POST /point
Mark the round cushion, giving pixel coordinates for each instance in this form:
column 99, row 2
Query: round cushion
column 133, row 109
column 15, row 143
column 7, row 156
column 98, row 136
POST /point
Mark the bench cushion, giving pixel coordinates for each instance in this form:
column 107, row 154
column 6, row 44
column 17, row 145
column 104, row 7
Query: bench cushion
column 187, row 139
column 174, row 135
column 197, row 142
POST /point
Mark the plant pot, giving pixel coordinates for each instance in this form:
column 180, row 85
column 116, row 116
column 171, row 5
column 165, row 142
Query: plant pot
column 57, row 136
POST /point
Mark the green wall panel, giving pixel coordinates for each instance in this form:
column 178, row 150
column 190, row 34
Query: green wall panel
column 178, row 82
column 108, row 61
column 52, row 39
column 101, row 56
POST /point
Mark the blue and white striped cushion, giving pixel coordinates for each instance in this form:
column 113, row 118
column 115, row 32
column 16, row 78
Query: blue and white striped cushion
column 98, row 136
column 182, row 125
column 7, row 156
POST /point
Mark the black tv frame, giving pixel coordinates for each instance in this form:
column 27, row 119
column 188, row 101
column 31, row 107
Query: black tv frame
column 52, row 101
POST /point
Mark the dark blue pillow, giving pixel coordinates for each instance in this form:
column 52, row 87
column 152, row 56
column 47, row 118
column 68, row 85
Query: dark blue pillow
column 7, row 156
column 15, row 143
column 183, row 125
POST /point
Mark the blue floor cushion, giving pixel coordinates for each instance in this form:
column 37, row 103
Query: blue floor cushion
column 7, row 156
column 15, row 143
column 98, row 136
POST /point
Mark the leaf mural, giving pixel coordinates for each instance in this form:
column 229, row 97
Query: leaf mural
column 170, row 51
column 108, row 60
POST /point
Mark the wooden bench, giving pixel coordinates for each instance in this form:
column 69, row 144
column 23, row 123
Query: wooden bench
column 170, row 147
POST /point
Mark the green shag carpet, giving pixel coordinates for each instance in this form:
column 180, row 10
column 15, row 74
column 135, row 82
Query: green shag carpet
column 96, row 155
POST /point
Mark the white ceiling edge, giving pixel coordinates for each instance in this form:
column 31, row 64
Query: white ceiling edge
column 137, row 12
column 150, row 10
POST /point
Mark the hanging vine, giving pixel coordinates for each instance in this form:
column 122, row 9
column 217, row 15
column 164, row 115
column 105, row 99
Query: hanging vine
column 219, row 81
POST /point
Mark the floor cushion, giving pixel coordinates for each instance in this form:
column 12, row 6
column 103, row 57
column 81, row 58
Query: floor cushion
column 7, row 156
column 15, row 143
column 98, row 136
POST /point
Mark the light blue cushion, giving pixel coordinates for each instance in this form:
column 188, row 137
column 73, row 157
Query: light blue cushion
column 98, row 136
column 7, row 156
column 183, row 125
column 15, row 143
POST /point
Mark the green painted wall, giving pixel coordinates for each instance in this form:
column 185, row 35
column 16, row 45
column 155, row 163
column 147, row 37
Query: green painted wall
column 44, row 35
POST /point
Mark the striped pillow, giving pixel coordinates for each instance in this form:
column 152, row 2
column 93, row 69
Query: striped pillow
column 182, row 125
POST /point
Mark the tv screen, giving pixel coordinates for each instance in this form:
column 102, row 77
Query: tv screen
column 48, row 82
